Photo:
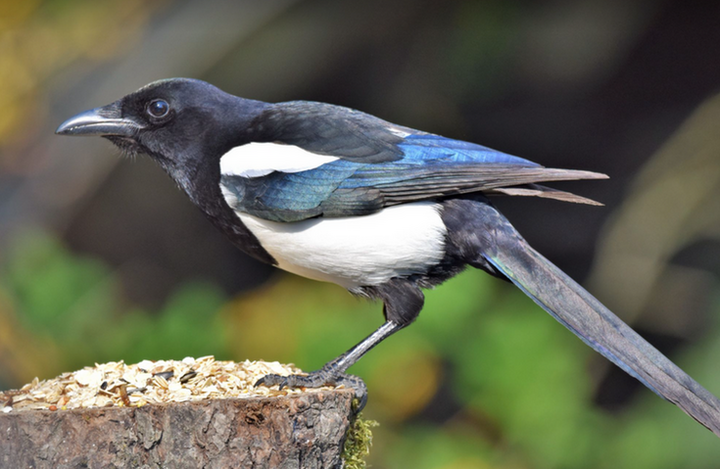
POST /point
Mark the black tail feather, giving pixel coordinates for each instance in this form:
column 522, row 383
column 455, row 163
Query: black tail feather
column 587, row 318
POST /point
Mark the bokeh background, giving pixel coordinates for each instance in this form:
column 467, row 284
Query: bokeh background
column 104, row 259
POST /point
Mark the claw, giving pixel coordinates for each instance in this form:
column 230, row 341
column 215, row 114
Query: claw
column 360, row 403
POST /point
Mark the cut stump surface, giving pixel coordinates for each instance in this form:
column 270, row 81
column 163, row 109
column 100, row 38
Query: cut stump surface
column 302, row 430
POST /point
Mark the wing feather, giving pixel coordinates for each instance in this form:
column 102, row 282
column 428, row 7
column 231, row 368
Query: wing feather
column 378, row 165
column 493, row 179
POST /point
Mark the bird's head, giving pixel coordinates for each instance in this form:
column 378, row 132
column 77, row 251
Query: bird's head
column 179, row 122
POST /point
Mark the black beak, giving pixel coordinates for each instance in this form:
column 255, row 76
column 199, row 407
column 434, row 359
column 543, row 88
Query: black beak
column 102, row 121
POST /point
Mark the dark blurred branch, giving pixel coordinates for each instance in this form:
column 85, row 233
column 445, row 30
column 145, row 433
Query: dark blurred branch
column 187, row 41
column 672, row 204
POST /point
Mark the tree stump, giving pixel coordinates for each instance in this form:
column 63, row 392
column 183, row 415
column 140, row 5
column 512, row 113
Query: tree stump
column 302, row 430
column 176, row 414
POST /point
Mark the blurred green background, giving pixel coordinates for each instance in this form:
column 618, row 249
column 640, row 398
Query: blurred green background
column 103, row 259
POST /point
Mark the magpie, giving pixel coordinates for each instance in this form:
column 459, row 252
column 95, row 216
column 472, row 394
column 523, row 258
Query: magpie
column 383, row 210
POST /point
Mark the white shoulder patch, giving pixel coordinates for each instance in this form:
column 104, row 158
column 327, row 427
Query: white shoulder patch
column 259, row 159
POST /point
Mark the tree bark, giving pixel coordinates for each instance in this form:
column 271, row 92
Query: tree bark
column 304, row 430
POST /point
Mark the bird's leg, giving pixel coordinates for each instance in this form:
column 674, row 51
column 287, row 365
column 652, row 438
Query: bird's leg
column 403, row 302
column 333, row 372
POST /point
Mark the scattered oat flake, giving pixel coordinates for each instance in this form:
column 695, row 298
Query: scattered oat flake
column 146, row 365
column 89, row 377
column 103, row 384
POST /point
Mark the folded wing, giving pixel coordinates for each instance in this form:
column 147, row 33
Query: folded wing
column 432, row 167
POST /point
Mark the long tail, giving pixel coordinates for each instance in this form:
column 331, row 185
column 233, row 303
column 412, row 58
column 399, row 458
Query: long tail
column 587, row 318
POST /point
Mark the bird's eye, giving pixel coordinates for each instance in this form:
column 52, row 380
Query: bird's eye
column 158, row 108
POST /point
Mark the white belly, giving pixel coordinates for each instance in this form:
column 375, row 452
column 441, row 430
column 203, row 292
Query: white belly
column 356, row 251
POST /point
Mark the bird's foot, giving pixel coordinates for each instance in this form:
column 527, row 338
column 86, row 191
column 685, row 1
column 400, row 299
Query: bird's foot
column 326, row 376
